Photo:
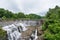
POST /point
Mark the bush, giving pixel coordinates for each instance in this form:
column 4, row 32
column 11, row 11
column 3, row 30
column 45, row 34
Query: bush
column 51, row 25
column 3, row 18
column 3, row 34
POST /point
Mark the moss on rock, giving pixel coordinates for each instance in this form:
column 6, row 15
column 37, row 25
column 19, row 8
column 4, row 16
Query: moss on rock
column 3, row 34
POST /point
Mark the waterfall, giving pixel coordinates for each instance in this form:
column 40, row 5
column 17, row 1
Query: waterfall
column 14, row 31
column 22, row 26
column 34, row 35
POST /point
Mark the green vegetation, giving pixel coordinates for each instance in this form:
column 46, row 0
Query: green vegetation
column 51, row 25
column 3, row 34
column 5, row 14
column 33, row 16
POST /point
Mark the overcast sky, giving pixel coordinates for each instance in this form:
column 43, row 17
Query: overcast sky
column 29, row 6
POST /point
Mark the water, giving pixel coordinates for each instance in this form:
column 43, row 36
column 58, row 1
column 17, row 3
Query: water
column 34, row 35
column 13, row 32
column 22, row 26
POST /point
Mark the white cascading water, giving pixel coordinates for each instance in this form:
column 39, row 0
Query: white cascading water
column 13, row 32
column 34, row 35
column 22, row 26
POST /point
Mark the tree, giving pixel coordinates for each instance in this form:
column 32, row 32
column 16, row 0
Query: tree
column 21, row 15
column 33, row 16
column 4, row 18
column 51, row 25
column 10, row 15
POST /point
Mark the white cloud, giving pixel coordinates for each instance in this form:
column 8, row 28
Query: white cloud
column 29, row 6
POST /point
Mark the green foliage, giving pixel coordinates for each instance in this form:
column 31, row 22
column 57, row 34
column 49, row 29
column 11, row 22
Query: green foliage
column 48, row 35
column 21, row 15
column 51, row 25
column 4, row 18
column 3, row 34
column 33, row 16
column 5, row 14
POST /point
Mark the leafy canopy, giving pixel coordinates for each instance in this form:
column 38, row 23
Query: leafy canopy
column 51, row 25
column 4, row 14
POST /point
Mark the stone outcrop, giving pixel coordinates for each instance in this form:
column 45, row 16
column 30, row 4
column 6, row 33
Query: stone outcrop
column 26, row 34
